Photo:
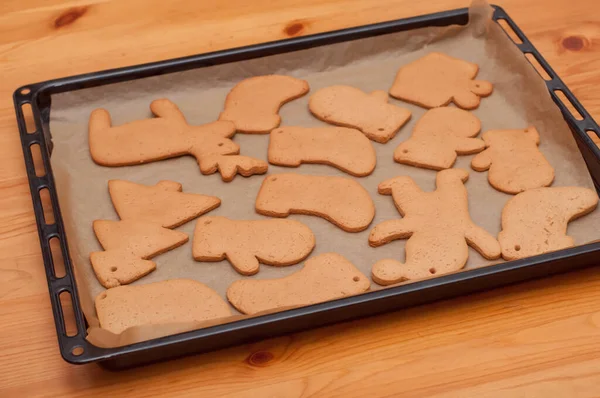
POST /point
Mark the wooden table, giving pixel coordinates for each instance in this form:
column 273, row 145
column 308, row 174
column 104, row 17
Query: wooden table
column 536, row 339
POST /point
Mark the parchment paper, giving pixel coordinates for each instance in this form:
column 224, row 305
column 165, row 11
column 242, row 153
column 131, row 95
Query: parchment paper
column 520, row 99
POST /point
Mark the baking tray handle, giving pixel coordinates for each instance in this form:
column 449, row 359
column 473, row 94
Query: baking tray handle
column 72, row 343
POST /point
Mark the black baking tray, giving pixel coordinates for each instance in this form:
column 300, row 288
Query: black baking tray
column 76, row 349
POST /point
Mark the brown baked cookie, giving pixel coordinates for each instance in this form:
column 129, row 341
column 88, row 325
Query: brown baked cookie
column 344, row 148
column 350, row 107
column 128, row 245
column 341, row 201
column 166, row 136
column 163, row 203
column 231, row 165
column 253, row 104
column 437, row 79
column 325, row 277
column 438, row 137
column 245, row 243
column 535, row 221
column 437, row 225
column 514, row 160
column 170, row 301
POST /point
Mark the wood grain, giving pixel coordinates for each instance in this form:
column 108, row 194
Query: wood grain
column 540, row 339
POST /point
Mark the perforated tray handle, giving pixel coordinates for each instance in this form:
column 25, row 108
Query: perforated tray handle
column 72, row 347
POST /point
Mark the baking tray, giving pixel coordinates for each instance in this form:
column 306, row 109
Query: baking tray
column 76, row 349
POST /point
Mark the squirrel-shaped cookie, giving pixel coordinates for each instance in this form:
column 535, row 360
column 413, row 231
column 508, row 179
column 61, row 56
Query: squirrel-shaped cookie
column 514, row 160
column 438, row 137
column 438, row 227
column 166, row 136
column 535, row 221
column 368, row 112
column 253, row 104
column 437, row 79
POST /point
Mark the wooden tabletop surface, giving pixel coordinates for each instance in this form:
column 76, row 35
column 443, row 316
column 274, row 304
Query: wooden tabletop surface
column 539, row 339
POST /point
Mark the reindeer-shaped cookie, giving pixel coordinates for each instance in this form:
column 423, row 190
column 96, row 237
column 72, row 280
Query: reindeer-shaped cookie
column 167, row 136
column 437, row 225
column 514, row 160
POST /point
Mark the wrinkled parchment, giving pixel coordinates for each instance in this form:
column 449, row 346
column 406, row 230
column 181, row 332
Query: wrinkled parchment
column 520, row 99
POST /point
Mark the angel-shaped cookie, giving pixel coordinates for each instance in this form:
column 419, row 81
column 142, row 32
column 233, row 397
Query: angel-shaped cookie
column 439, row 136
column 437, row 225
column 166, row 136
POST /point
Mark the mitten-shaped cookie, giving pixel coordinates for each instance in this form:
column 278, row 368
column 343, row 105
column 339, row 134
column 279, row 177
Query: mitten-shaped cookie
column 437, row 79
column 535, row 221
column 245, row 243
column 438, row 137
column 437, row 225
column 514, row 160
column 350, row 107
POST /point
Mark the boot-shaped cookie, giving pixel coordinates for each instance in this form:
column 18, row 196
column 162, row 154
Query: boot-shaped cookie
column 437, row 79
column 166, row 136
column 350, row 107
column 535, row 221
column 514, row 160
column 437, row 225
column 438, row 137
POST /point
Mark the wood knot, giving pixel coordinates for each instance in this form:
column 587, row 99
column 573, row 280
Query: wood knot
column 69, row 16
column 260, row 358
column 575, row 43
column 294, row 28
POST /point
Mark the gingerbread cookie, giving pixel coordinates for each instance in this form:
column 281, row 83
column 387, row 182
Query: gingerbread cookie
column 344, row 148
column 325, row 277
column 170, row 301
column 350, row 107
column 128, row 245
column 166, row 136
column 535, row 221
column 437, row 79
column 245, row 243
column 438, row 137
column 342, row 201
column 231, row 165
column 437, row 225
column 163, row 203
column 514, row 160
column 253, row 104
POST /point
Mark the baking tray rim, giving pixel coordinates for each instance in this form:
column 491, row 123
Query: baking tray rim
column 38, row 96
